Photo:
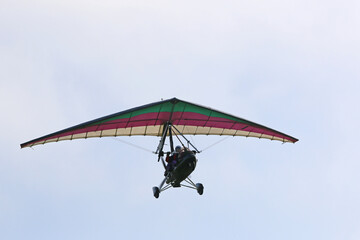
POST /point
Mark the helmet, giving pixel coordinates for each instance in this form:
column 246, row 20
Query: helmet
column 177, row 148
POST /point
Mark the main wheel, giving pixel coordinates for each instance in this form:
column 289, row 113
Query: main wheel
column 200, row 188
column 156, row 192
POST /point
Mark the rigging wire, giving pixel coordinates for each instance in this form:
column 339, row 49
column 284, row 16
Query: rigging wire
column 147, row 150
column 134, row 145
column 192, row 139
column 178, row 138
column 221, row 140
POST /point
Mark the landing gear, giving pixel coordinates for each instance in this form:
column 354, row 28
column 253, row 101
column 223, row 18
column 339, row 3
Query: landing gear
column 199, row 188
column 190, row 184
column 158, row 190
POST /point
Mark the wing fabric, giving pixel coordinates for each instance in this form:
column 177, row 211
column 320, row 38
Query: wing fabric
column 148, row 120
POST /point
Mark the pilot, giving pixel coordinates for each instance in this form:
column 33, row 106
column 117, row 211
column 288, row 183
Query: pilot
column 172, row 159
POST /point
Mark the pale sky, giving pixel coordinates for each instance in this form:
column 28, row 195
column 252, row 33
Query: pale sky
column 292, row 66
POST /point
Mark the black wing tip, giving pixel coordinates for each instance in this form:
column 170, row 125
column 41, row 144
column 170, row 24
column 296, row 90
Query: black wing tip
column 23, row 145
column 293, row 140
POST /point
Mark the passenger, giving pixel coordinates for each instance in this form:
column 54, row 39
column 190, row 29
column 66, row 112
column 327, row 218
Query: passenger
column 172, row 159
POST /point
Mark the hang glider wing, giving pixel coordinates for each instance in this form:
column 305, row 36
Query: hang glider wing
column 149, row 120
